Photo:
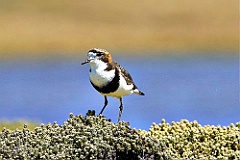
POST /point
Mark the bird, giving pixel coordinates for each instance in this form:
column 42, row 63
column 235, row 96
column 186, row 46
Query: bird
column 109, row 78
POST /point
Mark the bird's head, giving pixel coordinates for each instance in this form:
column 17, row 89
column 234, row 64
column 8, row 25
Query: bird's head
column 96, row 55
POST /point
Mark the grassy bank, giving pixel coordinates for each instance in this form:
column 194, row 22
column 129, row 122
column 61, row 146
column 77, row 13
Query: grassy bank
column 12, row 125
column 39, row 28
column 91, row 137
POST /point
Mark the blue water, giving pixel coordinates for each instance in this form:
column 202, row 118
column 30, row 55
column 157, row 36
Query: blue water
column 201, row 87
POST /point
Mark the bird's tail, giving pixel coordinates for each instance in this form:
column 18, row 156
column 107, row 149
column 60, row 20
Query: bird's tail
column 139, row 92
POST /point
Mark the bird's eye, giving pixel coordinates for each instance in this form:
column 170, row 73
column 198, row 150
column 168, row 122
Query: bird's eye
column 99, row 54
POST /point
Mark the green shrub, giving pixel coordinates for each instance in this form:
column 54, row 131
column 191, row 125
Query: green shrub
column 95, row 137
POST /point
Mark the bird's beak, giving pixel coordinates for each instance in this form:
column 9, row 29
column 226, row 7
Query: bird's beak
column 86, row 61
column 90, row 58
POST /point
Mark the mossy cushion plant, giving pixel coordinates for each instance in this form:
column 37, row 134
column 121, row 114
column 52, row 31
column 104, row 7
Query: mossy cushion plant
column 92, row 137
column 190, row 140
column 80, row 137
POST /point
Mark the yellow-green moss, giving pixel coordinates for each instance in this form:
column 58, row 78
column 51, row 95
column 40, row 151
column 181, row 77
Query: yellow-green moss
column 92, row 137
column 190, row 140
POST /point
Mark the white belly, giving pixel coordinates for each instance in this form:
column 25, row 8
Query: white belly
column 123, row 89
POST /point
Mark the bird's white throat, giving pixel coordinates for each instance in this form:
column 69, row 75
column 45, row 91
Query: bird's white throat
column 98, row 64
column 98, row 75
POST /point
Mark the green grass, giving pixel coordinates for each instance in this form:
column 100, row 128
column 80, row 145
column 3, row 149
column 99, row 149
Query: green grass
column 38, row 28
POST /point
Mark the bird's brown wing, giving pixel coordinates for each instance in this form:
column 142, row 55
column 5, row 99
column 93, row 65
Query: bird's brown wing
column 126, row 75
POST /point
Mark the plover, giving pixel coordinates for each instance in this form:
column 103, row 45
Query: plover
column 109, row 78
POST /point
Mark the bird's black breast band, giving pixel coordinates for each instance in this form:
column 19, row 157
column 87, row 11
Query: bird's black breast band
column 111, row 86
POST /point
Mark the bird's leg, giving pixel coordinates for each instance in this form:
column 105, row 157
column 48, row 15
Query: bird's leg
column 121, row 109
column 105, row 104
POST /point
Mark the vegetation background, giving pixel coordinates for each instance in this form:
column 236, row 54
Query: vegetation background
column 36, row 29
column 69, row 28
